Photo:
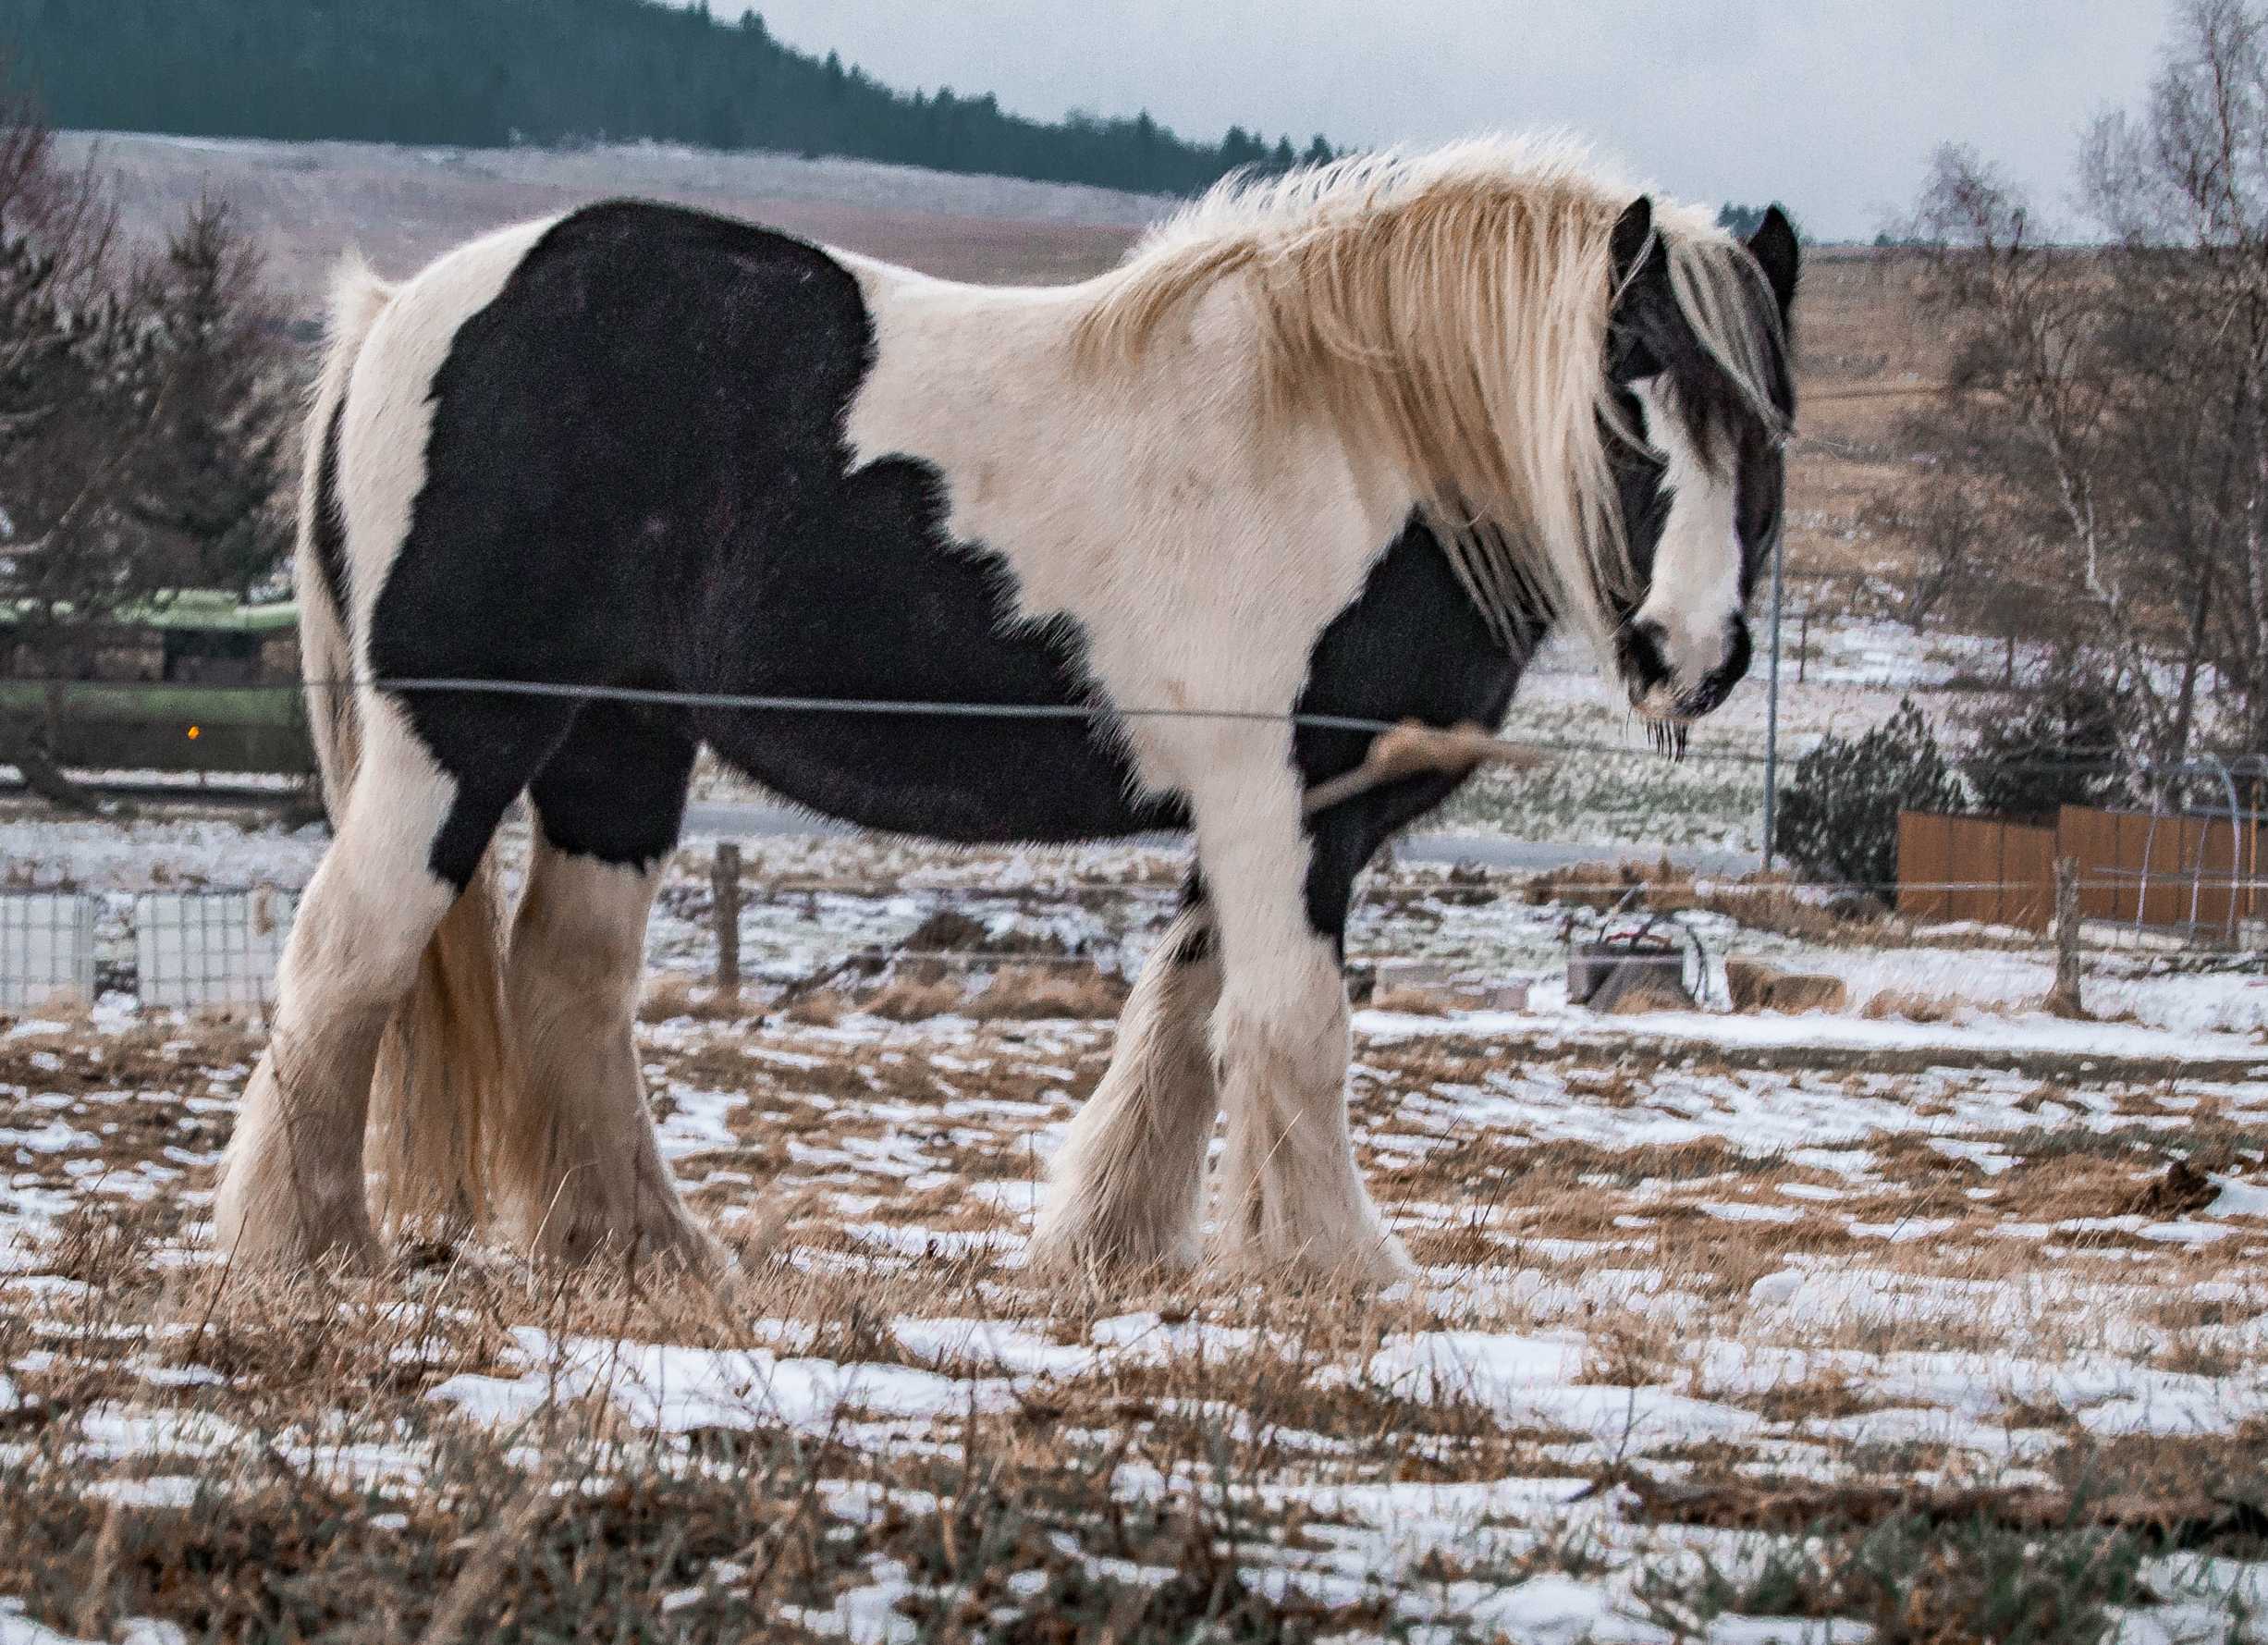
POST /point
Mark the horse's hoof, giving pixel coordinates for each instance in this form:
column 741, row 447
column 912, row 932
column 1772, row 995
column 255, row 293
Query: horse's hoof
column 341, row 1254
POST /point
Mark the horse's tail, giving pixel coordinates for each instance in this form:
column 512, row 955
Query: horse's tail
column 447, row 1054
column 327, row 653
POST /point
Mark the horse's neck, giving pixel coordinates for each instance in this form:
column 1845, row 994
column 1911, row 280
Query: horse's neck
column 977, row 375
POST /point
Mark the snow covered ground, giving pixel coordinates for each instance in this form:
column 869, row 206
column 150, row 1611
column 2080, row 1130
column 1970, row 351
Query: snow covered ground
column 1741, row 1327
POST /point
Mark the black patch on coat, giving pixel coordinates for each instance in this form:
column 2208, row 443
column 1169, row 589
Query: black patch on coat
column 1411, row 646
column 637, row 475
column 615, row 787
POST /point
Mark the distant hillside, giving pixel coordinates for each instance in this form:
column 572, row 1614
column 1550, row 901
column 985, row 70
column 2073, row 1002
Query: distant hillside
column 486, row 73
column 306, row 203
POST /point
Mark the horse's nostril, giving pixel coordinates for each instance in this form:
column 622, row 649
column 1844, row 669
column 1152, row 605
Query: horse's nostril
column 1644, row 646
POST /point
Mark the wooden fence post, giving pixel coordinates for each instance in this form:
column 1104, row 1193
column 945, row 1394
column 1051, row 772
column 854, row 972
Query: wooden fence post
column 2064, row 1000
column 725, row 882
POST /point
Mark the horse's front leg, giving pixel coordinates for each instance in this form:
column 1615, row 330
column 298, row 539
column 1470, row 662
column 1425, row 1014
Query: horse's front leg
column 1292, row 1198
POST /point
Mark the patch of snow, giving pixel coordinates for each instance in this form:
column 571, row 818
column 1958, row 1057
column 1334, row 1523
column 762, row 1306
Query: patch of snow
column 670, row 1389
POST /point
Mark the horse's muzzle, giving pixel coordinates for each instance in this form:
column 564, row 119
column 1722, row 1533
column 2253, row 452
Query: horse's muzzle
column 1657, row 692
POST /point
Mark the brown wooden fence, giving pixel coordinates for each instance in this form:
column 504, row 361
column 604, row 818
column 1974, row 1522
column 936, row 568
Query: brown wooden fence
column 2170, row 871
column 1976, row 868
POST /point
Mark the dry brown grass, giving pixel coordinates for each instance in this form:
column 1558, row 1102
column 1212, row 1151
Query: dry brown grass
column 1825, row 1398
column 1913, row 1005
column 821, row 1007
column 1769, row 903
column 850, row 1183
column 914, row 998
column 673, row 994
column 1415, row 1001
column 1030, row 993
column 1641, row 998
column 1755, row 985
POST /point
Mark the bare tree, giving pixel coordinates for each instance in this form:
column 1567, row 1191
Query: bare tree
column 2106, row 413
column 1940, row 517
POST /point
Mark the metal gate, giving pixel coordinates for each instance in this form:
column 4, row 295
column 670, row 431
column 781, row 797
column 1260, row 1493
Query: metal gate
column 46, row 949
column 210, row 948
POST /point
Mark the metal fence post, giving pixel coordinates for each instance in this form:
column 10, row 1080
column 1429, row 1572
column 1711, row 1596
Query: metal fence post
column 1772, row 710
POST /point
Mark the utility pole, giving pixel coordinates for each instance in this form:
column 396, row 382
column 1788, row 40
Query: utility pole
column 1772, row 707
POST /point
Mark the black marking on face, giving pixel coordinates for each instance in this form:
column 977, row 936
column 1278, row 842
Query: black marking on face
column 1648, row 337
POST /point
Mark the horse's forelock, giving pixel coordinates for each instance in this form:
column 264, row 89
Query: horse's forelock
column 1726, row 303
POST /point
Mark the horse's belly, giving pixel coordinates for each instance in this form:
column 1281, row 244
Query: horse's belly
column 968, row 781
column 874, row 605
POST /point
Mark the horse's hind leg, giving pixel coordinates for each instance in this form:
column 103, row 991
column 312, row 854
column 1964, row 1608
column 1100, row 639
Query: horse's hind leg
column 581, row 1169
column 409, row 839
column 1127, row 1188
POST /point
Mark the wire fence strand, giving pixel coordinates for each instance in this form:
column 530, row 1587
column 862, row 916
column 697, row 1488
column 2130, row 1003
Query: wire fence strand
column 2250, row 769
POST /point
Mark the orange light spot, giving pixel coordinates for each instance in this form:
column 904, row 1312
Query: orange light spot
column 194, row 734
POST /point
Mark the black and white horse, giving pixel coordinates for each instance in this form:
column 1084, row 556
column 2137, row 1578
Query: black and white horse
column 1345, row 443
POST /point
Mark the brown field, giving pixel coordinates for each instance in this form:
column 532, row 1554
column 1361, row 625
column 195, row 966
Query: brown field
column 1866, row 360
column 309, row 203
column 1960, row 1357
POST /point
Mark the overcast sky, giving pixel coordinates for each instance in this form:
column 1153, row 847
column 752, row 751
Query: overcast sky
column 1831, row 105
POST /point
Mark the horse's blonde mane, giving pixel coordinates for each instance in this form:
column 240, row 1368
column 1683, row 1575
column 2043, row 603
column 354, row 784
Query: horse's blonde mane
column 1448, row 310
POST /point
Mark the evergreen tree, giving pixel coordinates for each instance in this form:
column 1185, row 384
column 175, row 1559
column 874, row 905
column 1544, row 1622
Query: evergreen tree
column 478, row 72
column 1839, row 815
column 2066, row 747
column 143, row 415
column 213, row 466
column 1740, row 220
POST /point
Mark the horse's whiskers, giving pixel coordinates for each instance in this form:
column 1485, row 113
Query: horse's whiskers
column 1669, row 737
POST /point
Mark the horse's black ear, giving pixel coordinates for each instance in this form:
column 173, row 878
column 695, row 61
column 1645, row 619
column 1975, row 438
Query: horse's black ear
column 1779, row 254
column 1633, row 231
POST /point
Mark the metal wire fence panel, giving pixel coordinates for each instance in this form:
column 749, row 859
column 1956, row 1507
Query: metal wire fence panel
column 210, row 948
column 46, row 949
